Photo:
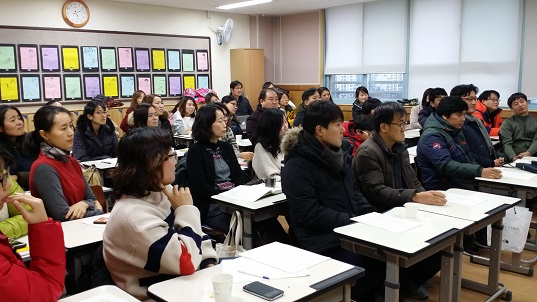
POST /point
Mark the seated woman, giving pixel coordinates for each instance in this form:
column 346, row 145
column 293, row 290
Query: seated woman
column 12, row 224
column 184, row 114
column 44, row 279
column 230, row 137
column 154, row 230
column 231, row 104
column 324, row 92
column 145, row 116
column 283, row 98
column 137, row 98
column 156, row 102
column 267, row 136
column 12, row 137
column 211, row 98
column 56, row 177
column 95, row 137
column 213, row 168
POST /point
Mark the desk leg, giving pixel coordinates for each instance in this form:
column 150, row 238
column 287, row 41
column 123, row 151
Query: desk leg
column 457, row 268
column 247, row 232
column 446, row 275
column 391, row 284
column 347, row 293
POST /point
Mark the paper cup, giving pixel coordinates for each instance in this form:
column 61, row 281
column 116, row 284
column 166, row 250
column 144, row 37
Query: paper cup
column 411, row 210
column 222, row 285
column 238, row 137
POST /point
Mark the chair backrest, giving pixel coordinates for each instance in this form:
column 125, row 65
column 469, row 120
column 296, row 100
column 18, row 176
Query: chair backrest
column 99, row 195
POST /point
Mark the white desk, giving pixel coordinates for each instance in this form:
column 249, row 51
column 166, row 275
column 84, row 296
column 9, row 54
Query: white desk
column 77, row 234
column 339, row 277
column 244, row 143
column 103, row 164
column 101, row 293
column 437, row 233
column 259, row 210
column 413, row 133
column 488, row 212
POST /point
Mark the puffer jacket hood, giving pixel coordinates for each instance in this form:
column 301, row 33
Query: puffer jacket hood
column 290, row 140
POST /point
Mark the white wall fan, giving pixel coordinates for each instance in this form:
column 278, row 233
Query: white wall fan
column 223, row 33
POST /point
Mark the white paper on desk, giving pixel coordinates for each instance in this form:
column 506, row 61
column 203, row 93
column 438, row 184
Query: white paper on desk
column 250, row 193
column 104, row 297
column 245, row 270
column 412, row 151
column 90, row 220
column 284, row 257
column 387, row 222
column 517, row 175
column 464, row 200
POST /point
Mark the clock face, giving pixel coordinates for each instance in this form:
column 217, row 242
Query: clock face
column 76, row 13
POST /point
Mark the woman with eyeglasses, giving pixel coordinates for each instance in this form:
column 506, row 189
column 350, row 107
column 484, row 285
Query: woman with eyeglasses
column 231, row 104
column 56, row 177
column 44, row 279
column 154, row 230
column 230, row 137
column 95, row 136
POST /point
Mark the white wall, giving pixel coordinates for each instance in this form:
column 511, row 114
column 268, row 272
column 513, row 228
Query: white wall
column 116, row 16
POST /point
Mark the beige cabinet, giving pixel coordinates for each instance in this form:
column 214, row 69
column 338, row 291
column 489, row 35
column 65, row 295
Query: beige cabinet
column 248, row 67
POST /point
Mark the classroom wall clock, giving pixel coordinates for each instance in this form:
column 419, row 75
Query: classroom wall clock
column 75, row 13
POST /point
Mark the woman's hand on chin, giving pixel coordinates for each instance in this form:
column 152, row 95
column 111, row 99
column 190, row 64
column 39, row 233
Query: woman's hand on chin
column 178, row 196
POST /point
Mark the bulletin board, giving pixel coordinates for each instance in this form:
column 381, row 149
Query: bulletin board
column 43, row 64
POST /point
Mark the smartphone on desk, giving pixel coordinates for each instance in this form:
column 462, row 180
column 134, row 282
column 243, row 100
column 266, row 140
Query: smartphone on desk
column 263, row 291
column 17, row 244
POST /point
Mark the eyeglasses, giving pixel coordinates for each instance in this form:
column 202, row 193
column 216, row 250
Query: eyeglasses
column 494, row 100
column 101, row 112
column 366, row 132
column 5, row 178
column 401, row 125
column 469, row 98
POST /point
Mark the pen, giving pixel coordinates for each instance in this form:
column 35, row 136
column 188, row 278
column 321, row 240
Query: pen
column 253, row 274
column 105, row 162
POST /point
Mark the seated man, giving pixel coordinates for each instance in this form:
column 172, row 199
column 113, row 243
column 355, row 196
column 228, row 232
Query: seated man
column 488, row 111
column 443, row 155
column 518, row 133
column 477, row 136
column 308, row 97
column 268, row 98
column 321, row 192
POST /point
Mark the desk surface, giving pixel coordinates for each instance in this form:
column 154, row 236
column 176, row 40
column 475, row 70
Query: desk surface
column 471, row 213
column 251, row 205
column 198, row 287
column 434, row 229
column 413, row 133
column 103, row 164
column 530, row 182
column 76, row 233
column 101, row 293
column 244, row 142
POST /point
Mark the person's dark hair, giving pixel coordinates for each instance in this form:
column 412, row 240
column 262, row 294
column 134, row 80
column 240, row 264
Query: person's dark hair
column 179, row 101
column 134, row 100
column 514, row 97
column 386, row 112
column 263, row 93
column 361, row 89
column 202, row 127
column 267, row 133
column 425, row 97
column 451, row 104
column 436, row 92
column 4, row 139
column 182, row 106
column 306, row 94
column 209, row 96
column 43, row 120
column 369, row 105
column 234, row 84
column 363, row 122
column 267, row 85
column 139, row 168
column 83, row 122
column 140, row 115
column 487, row 93
column 49, row 103
column 320, row 90
column 224, row 110
column 148, row 99
column 462, row 90
column 228, row 98
column 321, row 113
column 7, row 157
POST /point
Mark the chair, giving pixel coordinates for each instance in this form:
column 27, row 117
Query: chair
column 99, row 195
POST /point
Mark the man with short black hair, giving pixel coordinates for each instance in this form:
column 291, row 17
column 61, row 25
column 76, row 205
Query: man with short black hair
column 488, row 111
column 518, row 133
column 268, row 98
column 308, row 97
column 434, row 96
column 243, row 104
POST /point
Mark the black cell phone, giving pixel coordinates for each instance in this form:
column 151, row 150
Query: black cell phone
column 262, row 290
column 17, row 244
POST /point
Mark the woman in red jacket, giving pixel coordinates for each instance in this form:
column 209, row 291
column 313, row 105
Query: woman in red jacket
column 43, row 280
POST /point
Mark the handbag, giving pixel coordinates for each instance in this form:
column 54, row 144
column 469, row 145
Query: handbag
column 232, row 246
column 516, row 224
column 92, row 175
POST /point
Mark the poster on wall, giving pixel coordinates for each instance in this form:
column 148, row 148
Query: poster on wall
column 189, row 81
column 70, row 58
column 174, row 60
column 9, row 88
column 188, row 60
column 159, row 59
column 203, row 81
column 202, row 60
column 28, row 58
column 127, row 85
column 92, row 85
column 175, row 88
column 142, row 59
column 110, row 86
column 125, row 59
column 72, row 87
column 159, row 85
column 30, row 88
column 7, row 58
column 50, row 59
column 108, row 59
column 90, row 58
column 144, row 83
column 52, row 87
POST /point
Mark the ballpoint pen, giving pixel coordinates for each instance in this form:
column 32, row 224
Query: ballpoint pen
column 252, row 274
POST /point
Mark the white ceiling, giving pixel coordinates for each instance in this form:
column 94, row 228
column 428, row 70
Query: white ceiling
column 274, row 8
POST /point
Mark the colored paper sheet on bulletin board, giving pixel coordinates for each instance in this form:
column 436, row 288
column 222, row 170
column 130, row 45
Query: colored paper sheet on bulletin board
column 31, row 89
column 52, row 87
column 127, row 85
column 7, row 58
column 110, row 86
column 28, row 57
column 174, row 60
column 108, row 59
column 159, row 85
column 188, row 61
column 144, row 84
column 73, row 89
column 49, row 58
column 174, row 82
column 159, row 61
column 189, row 81
column 9, row 89
column 70, row 59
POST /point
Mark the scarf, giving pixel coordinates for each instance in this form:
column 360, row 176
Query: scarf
column 54, row 153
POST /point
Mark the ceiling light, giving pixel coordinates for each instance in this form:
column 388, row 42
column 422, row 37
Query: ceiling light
column 243, row 4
